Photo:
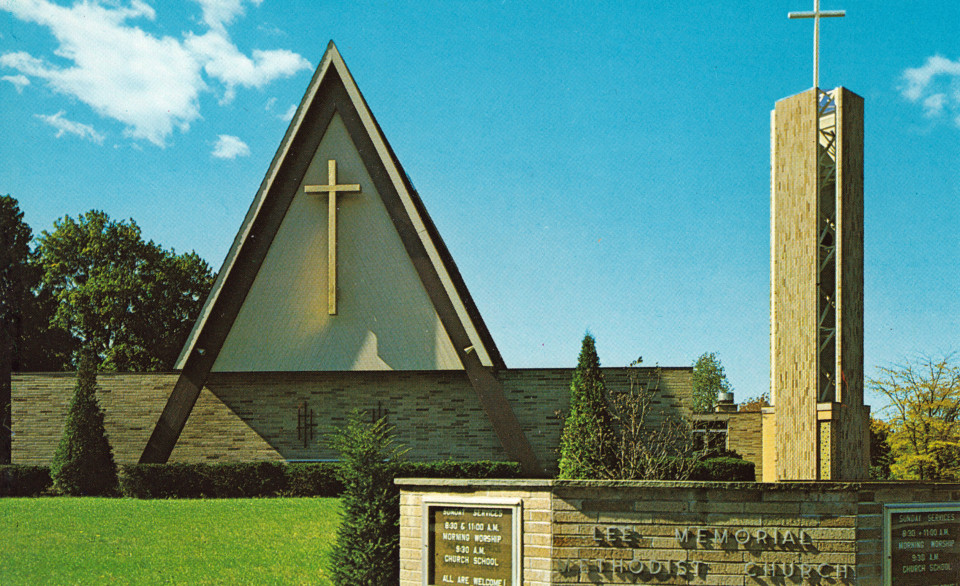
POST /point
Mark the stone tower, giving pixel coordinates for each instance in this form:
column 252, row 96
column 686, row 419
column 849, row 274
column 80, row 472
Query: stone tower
column 818, row 423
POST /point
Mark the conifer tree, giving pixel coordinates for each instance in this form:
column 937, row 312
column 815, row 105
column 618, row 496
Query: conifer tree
column 587, row 438
column 367, row 551
column 83, row 463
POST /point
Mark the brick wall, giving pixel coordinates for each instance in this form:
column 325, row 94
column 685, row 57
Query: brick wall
column 131, row 403
column 254, row 416
column 744, row 436
column 684, row 532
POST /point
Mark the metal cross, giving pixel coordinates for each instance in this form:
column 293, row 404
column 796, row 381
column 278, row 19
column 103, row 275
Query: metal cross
column 332, row 189
column 816, row 15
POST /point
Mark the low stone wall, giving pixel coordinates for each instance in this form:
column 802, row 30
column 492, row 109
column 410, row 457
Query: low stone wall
column 596, row 532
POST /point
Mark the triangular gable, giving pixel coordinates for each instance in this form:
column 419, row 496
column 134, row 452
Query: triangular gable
column 331, row 108
column 462, row 341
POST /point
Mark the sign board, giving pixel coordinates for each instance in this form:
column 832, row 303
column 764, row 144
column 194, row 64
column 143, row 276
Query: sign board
column 921, row 543
column 472, row 541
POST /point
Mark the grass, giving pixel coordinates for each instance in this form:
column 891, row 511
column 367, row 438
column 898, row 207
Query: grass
column 128, row 541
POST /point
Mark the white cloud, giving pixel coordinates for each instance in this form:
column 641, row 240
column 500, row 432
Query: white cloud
column 150, row 84
column 18, row 81
column 935, row 86
column 230, row 147
column 65, row 126
column 217, row 14
column 288, row 115
column 224, row 62
column 933, row 106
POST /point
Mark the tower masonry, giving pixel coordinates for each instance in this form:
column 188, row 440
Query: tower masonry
column 818, row 426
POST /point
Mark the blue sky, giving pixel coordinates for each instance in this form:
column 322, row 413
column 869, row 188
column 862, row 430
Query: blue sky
column 601, row 168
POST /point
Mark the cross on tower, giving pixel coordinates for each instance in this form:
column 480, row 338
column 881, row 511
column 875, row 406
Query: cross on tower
column 816, row 15
column 332, row 189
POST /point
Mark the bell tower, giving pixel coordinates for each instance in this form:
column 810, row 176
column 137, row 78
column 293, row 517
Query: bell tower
column 816, row 289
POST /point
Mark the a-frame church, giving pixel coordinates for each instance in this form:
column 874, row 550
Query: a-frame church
column 338, row 293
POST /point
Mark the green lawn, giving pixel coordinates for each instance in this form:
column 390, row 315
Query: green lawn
column 127, row 541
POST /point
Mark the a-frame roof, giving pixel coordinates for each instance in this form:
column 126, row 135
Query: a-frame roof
column 333, row 101
column 332, row 91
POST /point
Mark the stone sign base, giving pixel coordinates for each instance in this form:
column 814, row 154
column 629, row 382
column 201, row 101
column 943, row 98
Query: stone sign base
column 554, row 532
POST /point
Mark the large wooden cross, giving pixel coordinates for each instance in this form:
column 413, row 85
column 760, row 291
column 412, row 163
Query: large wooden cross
column 816, row 15
column 333, row 189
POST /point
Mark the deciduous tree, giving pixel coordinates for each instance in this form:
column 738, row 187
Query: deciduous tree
column 17, row 276
column 709, row 380
column 650, row 445
column 128, row 300
column 924, row 417
column 881, row 455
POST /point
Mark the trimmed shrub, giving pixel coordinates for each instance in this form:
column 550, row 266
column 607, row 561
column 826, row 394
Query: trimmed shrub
column 458, row 469
column 367, row 551
column 724, row 469
column 229, row 480
column 248, row 479
column 18, row 480
column 314, row 479
column 162, row 480
column 83, row 463
column 268, row 479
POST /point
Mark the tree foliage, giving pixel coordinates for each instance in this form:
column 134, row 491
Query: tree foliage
column 924, row 417
column 128, row 300
column 709, row 380
column 881, row 454
column 623, row 435
column 83, row 463
column 17, row 277
column 586, row 450
column 367, row 552
column 755, row 404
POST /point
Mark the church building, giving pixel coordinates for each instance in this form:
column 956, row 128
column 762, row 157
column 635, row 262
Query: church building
column 338, row 293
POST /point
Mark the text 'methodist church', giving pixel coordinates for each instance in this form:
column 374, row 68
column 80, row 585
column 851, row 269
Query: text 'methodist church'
column 338, row 293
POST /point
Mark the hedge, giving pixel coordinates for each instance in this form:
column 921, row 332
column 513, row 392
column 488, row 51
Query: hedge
column 267, row 479
column 242, row 480
column 724, row 469
column 19, row 480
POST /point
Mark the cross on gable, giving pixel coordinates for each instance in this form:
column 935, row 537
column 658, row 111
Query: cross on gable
column 333, row 189
column 816, row 15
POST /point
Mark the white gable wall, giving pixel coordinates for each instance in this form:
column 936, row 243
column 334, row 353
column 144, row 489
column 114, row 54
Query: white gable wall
column 385, row 318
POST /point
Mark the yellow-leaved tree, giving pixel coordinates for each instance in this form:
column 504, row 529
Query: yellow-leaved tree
column 924, row 417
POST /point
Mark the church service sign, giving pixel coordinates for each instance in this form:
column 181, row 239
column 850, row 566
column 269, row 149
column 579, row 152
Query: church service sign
column 472, row 541
column 921, row 544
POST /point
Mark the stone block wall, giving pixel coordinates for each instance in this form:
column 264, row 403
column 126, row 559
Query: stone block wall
column 131, row 402
column 595, row 532
column 255, row 416
column 745, row 436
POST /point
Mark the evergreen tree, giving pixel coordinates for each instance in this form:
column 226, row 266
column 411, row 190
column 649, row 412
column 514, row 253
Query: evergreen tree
column 83, row 463
column 587, row 438
column 367, row 551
